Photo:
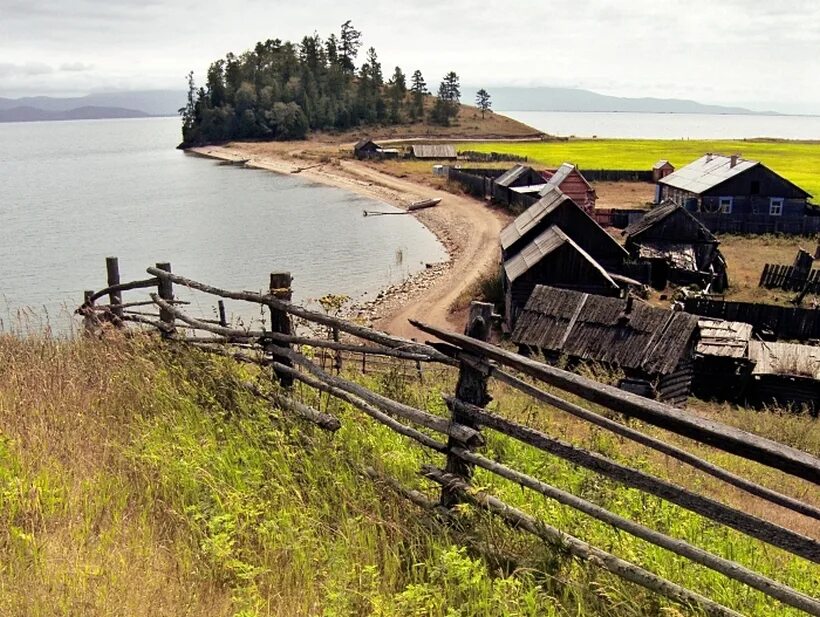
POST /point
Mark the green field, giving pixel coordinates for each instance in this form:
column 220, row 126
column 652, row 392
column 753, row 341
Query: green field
column 797, row 161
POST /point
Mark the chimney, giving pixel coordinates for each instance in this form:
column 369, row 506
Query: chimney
column 628, row 307
column 733, row 160
column 708, row 157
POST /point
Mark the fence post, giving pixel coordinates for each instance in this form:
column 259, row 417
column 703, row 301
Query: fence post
column 337, row 363
column 472, row 389
column 165, row 290
column 112, row 268
column 89, row 318
column 223, row 319
column 280, row 321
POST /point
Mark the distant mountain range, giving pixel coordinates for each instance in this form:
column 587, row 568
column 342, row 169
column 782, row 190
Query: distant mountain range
column 573, row 99
column 138, row 104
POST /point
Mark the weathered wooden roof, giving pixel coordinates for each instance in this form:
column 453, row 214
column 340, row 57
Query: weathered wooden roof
column 661, row 164
column 726, row 339
column 543, row 245
column 604, row 330
column 513, row 174
column 707, row 172
column 558, row 176
column 785, row 359
column 661, row 212
column 363, row 142
column 434, row 151
column 531, row 216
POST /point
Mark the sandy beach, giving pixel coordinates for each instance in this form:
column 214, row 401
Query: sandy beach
column 465, row 226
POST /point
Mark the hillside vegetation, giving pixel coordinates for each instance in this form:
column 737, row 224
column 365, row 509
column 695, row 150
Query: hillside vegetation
column 797, row 161
column 142, row 480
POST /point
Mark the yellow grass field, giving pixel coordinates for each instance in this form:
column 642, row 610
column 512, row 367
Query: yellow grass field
column 796, row 160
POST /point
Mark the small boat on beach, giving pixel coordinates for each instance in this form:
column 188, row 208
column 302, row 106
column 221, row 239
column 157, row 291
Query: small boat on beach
column 424, row 203
column 413, row 207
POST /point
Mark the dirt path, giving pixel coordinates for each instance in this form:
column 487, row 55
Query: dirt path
column 467, row 227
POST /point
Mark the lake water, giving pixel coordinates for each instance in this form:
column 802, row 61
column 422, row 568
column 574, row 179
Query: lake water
column 72, row 193
column 669, row 126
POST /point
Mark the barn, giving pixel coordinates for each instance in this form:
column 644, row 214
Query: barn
column 785, row 374
column 557, row 208
column 680, row 248
column 653, row 347
column 437, row 152
column 732, row 194
column 365, row 148
column 572, row 182
column 552, row 258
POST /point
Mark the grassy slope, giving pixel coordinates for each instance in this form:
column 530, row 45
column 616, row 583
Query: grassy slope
column 142, row 482
column 797, row 161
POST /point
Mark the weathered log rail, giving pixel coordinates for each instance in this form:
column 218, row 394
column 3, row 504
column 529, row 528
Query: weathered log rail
column 290, row 356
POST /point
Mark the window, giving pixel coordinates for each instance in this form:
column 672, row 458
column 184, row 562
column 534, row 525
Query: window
column 755, row 188
column 725, row 205
column 776, row 206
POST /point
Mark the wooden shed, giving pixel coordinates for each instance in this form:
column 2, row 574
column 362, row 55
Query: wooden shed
column 365, row 148
column 572, row 182
column 661, row 169
column 518, row 179
column 552, row 258
column 440, row 152
column 556, row 208
column 680, row 248
column 653, row 347
column 786, row 374
column 722, row 365
column 730, row 193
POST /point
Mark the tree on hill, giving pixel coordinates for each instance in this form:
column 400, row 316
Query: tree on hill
column 418, row 90
column 482, row 101
column 447, row 100
column 396, row 93
column 349, row 43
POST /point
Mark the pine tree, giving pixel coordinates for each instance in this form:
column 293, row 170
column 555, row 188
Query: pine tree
column 482, row 101
column 349, row 44
column 418, row 90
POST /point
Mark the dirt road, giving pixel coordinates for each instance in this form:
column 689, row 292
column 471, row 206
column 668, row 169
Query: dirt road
column 468, row 228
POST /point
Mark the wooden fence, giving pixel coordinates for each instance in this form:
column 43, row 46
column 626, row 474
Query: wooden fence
column 787, row 278
column 291, row 358
column 780, row 322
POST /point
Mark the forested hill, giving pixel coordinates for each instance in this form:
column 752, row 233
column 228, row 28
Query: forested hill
column 282, row 90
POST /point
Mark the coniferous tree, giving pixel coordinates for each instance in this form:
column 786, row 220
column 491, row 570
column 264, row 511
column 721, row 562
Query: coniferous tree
column 482, row 101
column 349, row 44
column 418, row 90
column 397, row 91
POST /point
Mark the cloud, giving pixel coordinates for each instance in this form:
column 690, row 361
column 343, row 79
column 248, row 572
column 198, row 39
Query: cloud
column 75, row 67
column 8, row 69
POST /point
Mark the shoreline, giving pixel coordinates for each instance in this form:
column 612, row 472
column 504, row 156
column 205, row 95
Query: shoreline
column 390, row 297
column 386, row 308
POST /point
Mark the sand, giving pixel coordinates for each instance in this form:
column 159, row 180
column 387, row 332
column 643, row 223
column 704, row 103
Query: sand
column 465, row 226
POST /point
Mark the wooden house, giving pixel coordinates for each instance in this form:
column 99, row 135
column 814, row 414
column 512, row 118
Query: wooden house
column 556, row 208
column 653, row 347
column 552, row 258
column 438, row 152
column 572, row 182
column 680, row 248
column 365, row 148
column 729, row 193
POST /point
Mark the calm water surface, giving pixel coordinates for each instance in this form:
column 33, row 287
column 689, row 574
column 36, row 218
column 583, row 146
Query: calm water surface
column 669, row 126
column 72, row 193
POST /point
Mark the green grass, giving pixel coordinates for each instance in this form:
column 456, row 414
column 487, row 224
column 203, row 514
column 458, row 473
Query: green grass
column 797, row 161
column 138, row 480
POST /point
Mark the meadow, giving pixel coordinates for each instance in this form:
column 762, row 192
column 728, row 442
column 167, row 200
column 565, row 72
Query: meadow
column 797, row 161
column 139, row 479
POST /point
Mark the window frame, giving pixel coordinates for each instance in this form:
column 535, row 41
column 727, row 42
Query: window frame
column 776, row 202
column 726, row 204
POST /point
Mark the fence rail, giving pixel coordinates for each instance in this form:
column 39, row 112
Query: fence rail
column 283, row 351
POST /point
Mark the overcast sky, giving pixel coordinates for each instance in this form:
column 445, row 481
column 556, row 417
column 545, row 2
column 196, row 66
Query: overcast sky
column 761, row 54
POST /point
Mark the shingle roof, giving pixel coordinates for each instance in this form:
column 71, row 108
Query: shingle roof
column 659, row 213
column 528, row 219
column 706, row 173
column 434, row 151
column 542, row 246
column 598, row 328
